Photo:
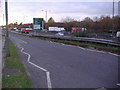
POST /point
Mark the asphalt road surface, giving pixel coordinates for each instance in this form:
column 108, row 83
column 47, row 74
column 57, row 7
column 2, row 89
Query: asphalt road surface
column 57, row 65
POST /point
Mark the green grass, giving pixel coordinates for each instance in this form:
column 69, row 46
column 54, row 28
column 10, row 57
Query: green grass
column 18, row 79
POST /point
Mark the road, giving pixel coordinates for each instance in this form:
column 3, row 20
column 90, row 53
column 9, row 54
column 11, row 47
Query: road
column 58, row 65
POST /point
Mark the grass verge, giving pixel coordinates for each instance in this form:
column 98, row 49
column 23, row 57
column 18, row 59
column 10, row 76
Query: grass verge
column 18, row 79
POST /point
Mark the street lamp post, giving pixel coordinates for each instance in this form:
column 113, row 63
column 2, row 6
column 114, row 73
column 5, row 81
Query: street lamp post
column 45, row 15
column 7, row 34
column 113, row 17
column 24, row 19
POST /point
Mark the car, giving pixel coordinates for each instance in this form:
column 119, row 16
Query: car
column 107, row 35
column 60, row 34
column 26, row 30
column 92, row 35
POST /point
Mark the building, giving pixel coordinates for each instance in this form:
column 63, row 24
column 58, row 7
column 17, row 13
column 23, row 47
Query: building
column 25, row 26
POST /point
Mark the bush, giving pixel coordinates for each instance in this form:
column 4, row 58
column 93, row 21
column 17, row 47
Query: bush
column 81, row 34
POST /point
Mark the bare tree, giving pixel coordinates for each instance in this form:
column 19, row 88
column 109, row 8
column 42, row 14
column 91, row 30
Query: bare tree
column 67, row 19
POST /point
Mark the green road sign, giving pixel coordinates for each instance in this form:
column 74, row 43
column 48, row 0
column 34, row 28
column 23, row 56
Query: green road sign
column 38, row 23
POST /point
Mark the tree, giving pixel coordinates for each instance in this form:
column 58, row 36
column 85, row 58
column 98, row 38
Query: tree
column 88, row 23
column 69, row 23
column 67, row 19
column 20, row 24
column 15, row 24
column 11, row 25
column 116, row 23
column 50, row 23
column 51, row 20
column 106, row 23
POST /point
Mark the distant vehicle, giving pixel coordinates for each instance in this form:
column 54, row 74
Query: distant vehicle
column 107, row 35
column 60, row 34
column 78, row 29
column 118, row 34
column 26, row 30
column 57, row 29
column 92, row 34
column 45, row 30
column 17, row 30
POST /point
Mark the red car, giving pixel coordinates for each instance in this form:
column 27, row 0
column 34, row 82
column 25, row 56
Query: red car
column 26, row 30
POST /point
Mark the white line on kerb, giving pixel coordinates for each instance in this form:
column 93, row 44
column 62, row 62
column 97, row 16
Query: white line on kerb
column 47, row 73
column 91, row 50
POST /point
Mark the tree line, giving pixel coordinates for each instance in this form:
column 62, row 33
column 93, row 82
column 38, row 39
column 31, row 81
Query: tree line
column 103, row 23
column 97, row 24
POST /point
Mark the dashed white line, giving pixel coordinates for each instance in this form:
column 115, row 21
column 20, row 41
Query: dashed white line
column 47, row 73
column 48, row 79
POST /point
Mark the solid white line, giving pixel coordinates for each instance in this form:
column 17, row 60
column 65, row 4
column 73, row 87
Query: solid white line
column 38, row 67
column 67, row 45
column 114, row 54
column 51, row 42
column 81, row 48
column 47, row 73
column 94, row 50
column 103, row 52
column 91, row 50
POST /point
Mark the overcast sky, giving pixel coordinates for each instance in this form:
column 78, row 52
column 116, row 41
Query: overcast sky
column 25, row 11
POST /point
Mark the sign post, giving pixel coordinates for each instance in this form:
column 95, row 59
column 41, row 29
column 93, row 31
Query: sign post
column 38, row 24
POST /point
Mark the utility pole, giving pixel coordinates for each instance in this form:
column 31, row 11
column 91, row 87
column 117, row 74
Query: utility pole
column 46, row 16
column 3, row 19
column 7, row 33
column 113, row 17
column 119, row 8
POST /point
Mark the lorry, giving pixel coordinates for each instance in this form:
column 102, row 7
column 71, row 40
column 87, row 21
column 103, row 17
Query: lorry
column 56, row 29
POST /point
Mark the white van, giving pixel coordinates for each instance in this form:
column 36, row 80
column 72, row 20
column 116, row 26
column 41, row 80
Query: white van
column 118, row 34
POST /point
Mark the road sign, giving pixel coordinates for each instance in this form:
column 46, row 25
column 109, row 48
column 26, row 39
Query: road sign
column 38, row 23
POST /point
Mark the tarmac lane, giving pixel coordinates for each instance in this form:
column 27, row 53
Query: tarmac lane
column 58, row 65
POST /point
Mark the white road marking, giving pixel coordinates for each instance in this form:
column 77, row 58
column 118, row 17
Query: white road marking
column 50, row 41
column 95, row 51
column 118, row 84
column 81, row 48
column 74, row 46
column 38, row 67
column 67, row 45
column 114, row 54
column 103, row 52
column 47, row 73
column 90, row 49
column 48, row 79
